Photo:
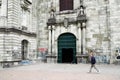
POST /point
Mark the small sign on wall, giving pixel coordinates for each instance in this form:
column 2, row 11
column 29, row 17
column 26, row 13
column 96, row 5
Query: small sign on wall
column 42, row 50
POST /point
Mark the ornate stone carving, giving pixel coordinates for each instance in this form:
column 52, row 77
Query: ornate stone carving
column 66, row 22
column 52, row 11
column 52, row 19
column 25, row 4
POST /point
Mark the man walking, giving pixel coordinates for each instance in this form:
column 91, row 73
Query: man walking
column 93, row 61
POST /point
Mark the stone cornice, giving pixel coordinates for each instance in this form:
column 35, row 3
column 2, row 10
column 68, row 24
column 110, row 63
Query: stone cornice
column 15, row 30
column 61, row 22
column 66, row 12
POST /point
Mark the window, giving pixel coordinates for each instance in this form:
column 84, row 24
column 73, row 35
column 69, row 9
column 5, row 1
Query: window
column 66, row 5
column 25, row 14
column 24, row 17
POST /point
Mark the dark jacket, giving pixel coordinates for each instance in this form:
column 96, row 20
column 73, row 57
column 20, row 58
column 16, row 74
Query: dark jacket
column 93, row 60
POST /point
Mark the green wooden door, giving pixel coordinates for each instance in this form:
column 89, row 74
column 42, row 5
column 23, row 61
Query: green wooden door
column 66, row 41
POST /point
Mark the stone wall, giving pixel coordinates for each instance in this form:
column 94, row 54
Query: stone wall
column 102, row 28
column 12, row 33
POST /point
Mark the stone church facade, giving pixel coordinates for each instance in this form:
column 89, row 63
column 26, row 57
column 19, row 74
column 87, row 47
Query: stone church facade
column 69, row 29
column 59, row 31
column 17, row 30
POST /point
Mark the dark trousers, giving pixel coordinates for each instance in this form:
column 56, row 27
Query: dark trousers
column 93, row 66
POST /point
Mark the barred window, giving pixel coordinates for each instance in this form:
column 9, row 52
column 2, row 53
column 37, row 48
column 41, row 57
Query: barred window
column 66, row 5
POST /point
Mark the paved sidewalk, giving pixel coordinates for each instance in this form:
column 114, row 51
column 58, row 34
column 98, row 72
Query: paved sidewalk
column 60, row 72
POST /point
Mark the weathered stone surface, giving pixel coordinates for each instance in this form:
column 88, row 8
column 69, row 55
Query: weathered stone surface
column 11, row 29
column 102, row 28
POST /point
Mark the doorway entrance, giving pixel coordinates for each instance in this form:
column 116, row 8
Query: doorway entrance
column 67, row 48
column 24, row 50
column 67, row 55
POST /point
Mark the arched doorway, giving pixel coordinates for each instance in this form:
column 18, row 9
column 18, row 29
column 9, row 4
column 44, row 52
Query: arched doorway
column 24, row 50
column 67, row 48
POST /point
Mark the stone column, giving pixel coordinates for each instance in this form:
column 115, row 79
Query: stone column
column 49, row 47
column 3, row 14
column 84, row 39
column 79, row 39
column 53, row 40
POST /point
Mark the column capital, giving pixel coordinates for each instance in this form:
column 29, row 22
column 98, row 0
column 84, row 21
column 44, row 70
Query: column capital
column 83, row 24
column 79, row 25
column 49, row 27
column 53, row 27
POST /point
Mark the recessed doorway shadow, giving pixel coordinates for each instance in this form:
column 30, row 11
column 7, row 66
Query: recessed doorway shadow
column 67, row 55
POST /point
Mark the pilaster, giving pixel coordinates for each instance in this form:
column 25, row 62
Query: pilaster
column 84, row 41
column 53, row 39
column 49, row 47
column 79, row 40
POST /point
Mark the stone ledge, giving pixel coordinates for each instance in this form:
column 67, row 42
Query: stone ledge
column 15, row 30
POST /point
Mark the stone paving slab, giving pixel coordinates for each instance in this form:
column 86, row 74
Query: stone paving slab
column 60, row 72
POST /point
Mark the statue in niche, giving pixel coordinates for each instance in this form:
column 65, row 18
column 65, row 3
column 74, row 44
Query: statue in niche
column 81, row 10
column 52, row 11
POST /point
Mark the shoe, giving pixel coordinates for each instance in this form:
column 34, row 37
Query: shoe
column 98, row 72
column 89, row 72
